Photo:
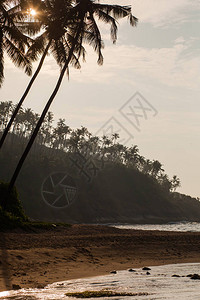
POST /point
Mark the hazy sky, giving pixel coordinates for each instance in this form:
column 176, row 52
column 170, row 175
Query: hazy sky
column 160, row 59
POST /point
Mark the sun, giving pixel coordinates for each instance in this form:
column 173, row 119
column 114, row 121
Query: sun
column 32, row 12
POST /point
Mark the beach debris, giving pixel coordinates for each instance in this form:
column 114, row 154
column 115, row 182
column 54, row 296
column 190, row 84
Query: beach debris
column 99, row 294
column 147, row 273
column 195, row 277
column 131, row 270
column 16, row 287
column 113, row 272
column 176, row 275
column 146, row 269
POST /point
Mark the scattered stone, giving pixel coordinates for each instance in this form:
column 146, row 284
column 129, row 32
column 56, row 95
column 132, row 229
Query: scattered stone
column 40, row 286
column 16, row 287
column 113, row 272
column 147, row 273
column 131, row 270
column 176, row 275
column 19, row 257
column 146, row 269
column 195, row 277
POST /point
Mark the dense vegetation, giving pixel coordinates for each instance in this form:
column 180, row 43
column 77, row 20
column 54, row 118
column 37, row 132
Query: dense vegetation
column 63, row 139
column 123, row 187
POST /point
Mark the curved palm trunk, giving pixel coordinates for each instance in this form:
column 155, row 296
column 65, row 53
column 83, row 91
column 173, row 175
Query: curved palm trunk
column 5, row 133
column 53, row 95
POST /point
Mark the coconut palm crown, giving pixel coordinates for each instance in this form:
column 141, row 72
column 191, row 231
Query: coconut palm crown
column 12, row 41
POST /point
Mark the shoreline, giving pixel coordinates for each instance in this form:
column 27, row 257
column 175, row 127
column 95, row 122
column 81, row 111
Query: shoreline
column 35, row 259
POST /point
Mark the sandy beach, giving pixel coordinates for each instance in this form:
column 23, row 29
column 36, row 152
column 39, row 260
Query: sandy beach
column 36, row 259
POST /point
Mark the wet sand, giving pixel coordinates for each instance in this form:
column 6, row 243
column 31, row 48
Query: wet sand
column 36, row 259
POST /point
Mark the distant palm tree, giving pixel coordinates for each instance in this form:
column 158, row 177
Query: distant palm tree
column 53, row 18
column 85, row 29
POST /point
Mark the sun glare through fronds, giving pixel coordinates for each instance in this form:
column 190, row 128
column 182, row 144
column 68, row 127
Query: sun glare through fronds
column 32, row 12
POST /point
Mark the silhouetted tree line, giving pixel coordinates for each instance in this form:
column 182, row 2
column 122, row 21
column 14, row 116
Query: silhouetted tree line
column 57, row 141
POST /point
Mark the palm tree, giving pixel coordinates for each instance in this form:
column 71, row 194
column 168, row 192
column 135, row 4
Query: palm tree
column 52, row 20
column 12, row 40
column 85, row 29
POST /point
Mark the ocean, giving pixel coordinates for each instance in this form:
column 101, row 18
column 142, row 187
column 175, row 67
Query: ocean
column 158, row 285
column 183, row 226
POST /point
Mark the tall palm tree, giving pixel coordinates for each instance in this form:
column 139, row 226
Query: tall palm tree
column 51, row 19
column 12, row 40
column 85, row 30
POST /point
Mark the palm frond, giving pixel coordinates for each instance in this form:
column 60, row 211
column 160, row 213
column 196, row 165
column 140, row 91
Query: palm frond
column 95, row 40
column 37, row 48
column 110, row 20
column 75, row 59
column 17, row 56
column 117, row 11
column 21, row 40
column 58, row 51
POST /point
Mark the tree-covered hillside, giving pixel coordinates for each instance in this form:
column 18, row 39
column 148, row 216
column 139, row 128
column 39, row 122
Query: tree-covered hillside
column 112, row 182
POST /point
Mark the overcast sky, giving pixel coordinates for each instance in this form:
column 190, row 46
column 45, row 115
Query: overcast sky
column 160, row 59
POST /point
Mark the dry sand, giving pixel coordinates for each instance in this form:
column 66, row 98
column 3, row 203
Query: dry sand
column 37, row 259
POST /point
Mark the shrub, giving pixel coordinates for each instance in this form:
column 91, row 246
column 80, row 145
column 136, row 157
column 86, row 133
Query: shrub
column 10, row 203
column 8, row 221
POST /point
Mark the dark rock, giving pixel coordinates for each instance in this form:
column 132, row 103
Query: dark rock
column 41, row 285
column 190, row 275
column 131, row 270
column 113, row 272
column 16, row 287
column 195, row 277
column 146, row 269
column 147, row 273
column 176, row 275
column 19, row 257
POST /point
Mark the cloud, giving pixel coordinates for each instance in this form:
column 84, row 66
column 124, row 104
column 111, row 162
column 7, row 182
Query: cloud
column 174, row 66
column 161, row 12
